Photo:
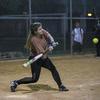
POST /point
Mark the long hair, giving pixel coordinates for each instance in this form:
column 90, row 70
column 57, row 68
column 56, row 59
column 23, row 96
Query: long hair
column 34, row 27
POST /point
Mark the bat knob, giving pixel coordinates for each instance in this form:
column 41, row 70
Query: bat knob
column 25, row 65
column 55, row 44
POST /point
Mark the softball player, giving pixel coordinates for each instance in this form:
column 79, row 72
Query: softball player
column 37, row 42
column 97, row 35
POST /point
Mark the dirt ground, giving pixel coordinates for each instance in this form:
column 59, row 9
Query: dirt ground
column 81, row 74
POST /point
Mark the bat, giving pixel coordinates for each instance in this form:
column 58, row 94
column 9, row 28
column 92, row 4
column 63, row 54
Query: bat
column 33, row 60
column 38, row 56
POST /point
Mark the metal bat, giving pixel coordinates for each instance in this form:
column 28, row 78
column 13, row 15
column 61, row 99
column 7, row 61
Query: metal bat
column 38, row 56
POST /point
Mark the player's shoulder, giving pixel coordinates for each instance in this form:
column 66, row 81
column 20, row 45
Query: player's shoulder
column 45, row 33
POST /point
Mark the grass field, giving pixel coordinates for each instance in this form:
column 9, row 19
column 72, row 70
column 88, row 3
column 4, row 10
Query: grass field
column 81, row 74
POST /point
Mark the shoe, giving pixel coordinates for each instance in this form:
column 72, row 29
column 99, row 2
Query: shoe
column 63, row 88
column 13, row 86
column 97, row 56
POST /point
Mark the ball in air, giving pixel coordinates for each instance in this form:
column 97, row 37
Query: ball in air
column 95, row 40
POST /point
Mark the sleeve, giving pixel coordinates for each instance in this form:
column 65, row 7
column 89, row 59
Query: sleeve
column 39, row 49
column 82, row 33
column 48, row 35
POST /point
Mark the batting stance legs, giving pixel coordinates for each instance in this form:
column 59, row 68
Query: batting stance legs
column 36, row 69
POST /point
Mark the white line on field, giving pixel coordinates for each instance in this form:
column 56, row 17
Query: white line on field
column 17, row 96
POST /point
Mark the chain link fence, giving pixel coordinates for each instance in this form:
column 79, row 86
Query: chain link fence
column 15, row 22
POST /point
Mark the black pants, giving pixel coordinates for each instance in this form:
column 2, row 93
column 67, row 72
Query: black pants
column 36, row 69
column 77, row 47
column 98, row 49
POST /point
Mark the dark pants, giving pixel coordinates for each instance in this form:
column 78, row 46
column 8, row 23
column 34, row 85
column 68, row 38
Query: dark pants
column 36, row 69
column 77, row 47
column 98, row 49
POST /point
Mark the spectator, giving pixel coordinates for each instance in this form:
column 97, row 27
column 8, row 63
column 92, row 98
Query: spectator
column 77, row 35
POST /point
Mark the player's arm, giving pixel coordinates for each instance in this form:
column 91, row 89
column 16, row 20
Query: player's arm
column 49, row 36
column 82, row 33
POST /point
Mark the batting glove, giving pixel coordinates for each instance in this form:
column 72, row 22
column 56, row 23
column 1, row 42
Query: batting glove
column 50, row 48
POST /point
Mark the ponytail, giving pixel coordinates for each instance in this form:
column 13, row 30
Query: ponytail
column 28, row 44
column 33, row 29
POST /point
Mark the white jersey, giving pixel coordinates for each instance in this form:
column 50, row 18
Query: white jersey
column 78, row 35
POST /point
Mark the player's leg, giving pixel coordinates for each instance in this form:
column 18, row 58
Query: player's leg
column 79, row 48
column 98, row 50
column 50, row 66
column 35, row 69
column 75, row 47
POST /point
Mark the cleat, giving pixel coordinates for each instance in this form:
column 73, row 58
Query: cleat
column 63, row 88
column 13, row 86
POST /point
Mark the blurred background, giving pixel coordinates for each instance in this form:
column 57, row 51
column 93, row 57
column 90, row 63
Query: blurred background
column 57, row 16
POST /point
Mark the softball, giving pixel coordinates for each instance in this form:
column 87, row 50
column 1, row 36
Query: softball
column 95, row 40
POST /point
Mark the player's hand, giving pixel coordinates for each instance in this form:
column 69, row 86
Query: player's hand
column 54, row 44
column 50, row 48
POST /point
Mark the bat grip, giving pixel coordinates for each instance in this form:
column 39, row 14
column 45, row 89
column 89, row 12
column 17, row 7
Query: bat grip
column 54, row 45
